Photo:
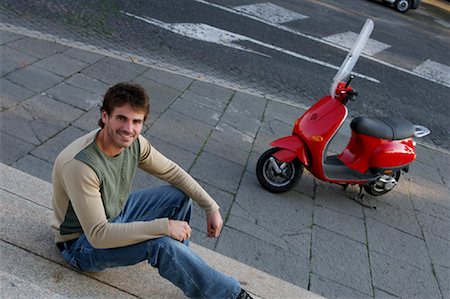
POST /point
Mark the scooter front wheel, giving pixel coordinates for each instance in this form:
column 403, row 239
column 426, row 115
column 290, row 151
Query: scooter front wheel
column 277, row 176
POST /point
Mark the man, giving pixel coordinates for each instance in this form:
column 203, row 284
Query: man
column 98, row 224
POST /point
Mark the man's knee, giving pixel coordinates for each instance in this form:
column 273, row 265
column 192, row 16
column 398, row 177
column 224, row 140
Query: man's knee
column 163, row 249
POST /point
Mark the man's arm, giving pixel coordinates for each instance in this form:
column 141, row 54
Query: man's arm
column 83, row 188
column 155, row 163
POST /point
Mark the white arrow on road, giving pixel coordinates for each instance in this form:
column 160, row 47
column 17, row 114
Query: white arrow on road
column 208, row 33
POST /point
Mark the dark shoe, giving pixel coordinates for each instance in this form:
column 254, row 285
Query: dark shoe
column 244, row 295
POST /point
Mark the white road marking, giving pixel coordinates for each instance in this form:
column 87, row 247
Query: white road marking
column 347, row 39
column 320, row 40
column 203, row 32
column 222, row 37
column 271, row 12
column 432, row 69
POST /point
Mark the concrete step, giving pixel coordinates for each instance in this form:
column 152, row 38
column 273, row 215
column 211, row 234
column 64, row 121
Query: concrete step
column 12, row 286
column 29, row 256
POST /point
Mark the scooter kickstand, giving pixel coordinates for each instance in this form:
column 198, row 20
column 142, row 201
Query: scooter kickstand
column 360, row 199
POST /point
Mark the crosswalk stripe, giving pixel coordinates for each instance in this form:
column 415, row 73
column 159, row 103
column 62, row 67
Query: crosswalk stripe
column 437, row 71
column 271, row 12
column 347, row 39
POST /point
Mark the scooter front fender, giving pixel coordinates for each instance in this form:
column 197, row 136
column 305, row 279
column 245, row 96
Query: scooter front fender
column 291, row 147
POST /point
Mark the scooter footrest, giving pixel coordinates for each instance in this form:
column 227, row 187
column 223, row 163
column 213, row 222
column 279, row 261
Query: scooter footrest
column 335, row 169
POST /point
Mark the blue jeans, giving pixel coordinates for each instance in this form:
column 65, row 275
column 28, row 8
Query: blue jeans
column 175, row 260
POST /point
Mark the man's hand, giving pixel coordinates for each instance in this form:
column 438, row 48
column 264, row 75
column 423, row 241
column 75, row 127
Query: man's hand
column 214, row 223
column 179, row 230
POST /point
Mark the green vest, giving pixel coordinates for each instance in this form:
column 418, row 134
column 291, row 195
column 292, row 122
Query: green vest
column 115, row 175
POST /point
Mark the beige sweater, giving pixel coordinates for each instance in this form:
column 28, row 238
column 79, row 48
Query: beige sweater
column 77, row 197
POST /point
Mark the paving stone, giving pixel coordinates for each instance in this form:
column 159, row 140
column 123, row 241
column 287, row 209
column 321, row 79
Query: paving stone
column 206, row 169
column 6, row 37
column 229, row 146
column 276, row 128
column 169, row 79
column 341, row 259
column 235, row 123
column 263, row 139
column 333, row 197
column 434, row 226
column 383, row 295
column 89, row 120
column 12, row 60
column 86, row 56
column 283, row 112
column 35, row 166
column 283, row 220
column 202, row 239
column 176, row 128
column 264, row 256
column 177, row 154
column 40, row 117
column 425, row 172
column 248, row 105
column 113, row 71
column 428, row 200
column 12, row 94
column 204, row 101
column 89, row 84
column 161, row 96
column 439, row 250
column 196, row 111
column 19, row 122
column 34, row 78
column 50, row 149
column 401, row 278
column 346, row 225
column 142, row 180
column 443, row 278
column 397, row 244
column 337, row 144
column 211, row 91
column 36, row 47
column 74, row 96
column 331, row 289
column 12, row 148
column 223, row 199
column 441, row 210
column 251, row 163
column 307, row 184
column 61, row 65
column 396, row 210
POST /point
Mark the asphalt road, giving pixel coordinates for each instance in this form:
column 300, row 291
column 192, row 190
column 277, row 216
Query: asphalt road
column 293, row 56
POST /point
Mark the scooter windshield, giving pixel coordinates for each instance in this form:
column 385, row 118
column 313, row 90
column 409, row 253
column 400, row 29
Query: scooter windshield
column 352, row 57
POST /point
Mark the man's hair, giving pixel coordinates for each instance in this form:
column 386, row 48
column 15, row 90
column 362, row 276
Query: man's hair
column 125, row 93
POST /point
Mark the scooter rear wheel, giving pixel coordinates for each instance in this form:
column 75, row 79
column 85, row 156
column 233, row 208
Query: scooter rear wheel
column 375, row 190
column 277, row 176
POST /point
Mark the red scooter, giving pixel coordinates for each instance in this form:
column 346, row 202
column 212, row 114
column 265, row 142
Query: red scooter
column 378, row 150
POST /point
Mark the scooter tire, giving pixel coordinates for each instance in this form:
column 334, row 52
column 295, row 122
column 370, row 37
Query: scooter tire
column 374, row 191
column 271, row 180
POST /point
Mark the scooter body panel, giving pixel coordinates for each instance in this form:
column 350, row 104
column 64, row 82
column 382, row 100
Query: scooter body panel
column 317, row 127
column 367, row 152
column 392, row 154
column 291, row 147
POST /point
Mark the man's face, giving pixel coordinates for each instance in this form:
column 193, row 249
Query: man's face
column 122, row 126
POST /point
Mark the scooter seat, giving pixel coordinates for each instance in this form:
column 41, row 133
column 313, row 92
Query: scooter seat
column 389, row 128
